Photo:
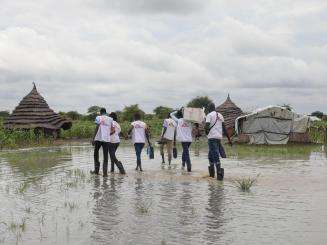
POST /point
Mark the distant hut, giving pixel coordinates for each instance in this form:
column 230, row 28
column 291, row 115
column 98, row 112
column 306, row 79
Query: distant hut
column 34, row 113
column 230, row 112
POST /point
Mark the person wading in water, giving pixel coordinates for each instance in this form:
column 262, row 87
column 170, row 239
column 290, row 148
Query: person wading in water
column 167, row 138
column 184, row 135
column 215, row 127
column 100, row 139
column 140, row 133
column 114, row 144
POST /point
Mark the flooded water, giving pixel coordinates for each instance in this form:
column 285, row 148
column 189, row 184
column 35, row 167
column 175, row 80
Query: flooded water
column 47, row 196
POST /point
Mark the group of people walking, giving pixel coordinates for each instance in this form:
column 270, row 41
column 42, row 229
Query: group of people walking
column 175, row 128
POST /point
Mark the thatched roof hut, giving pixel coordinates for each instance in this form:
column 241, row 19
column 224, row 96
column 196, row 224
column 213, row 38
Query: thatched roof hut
column 230, row 112
column 33, row 112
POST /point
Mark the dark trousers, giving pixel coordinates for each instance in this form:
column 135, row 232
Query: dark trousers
column 213, row 154
column 112, row 153
column 186, row 155
column 138, row 150
column 105, row 147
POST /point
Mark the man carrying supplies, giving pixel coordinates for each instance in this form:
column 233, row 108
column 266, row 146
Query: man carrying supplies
column 100, row 139
column 215, row 128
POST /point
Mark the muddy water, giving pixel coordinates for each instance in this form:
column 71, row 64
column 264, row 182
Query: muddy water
column 47, row 196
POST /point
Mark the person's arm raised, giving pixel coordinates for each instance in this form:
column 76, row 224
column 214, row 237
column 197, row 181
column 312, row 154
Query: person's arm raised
column 173, row 116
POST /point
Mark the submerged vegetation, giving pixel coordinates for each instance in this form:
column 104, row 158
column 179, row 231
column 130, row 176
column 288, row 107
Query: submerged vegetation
column 245, row 184
column 144, row 207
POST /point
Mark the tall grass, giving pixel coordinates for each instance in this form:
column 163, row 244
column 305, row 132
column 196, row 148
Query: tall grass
column 318, row 131
column 79, row 130
column 245, row 184
column 85, row 129
column 22, row 138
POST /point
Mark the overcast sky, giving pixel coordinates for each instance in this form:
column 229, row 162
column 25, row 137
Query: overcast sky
column 164, row 52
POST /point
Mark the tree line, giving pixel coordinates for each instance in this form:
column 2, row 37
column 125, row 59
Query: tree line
column 160, row 112
column 128, row 112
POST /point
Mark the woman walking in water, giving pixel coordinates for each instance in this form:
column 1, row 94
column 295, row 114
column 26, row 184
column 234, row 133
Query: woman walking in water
column 114, row 144
column 140, row 133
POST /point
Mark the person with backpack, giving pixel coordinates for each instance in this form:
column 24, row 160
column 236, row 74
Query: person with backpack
column 167, row 138
column 101, row 138
column 215, row 127
column 184, row 135
column 140, row 133
column 114, row 144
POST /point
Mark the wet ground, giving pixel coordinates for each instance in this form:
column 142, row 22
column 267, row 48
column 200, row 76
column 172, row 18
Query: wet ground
column 47, row 196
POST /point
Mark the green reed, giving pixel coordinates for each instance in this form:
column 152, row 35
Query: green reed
column 245, row 184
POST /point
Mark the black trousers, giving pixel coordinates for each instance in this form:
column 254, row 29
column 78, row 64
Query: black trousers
column 112, row 153
column 105, row 148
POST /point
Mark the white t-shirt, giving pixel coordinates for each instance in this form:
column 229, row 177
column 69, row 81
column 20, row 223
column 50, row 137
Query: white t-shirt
column 104, row 130
column 138, row 133
column 170, row 126
column 115, row 137
column 216, row 132
column 184, row 131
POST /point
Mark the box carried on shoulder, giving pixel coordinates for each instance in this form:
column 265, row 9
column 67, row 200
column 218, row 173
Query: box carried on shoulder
column 195, row 115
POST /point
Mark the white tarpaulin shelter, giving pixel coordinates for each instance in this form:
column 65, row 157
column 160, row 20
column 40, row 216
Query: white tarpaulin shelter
column 271, row 125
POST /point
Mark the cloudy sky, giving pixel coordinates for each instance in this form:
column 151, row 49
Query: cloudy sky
column 164, row 52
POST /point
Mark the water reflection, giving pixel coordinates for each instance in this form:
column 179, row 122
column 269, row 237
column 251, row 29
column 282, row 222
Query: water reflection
column 36, row 162
column 186, row 209
column 187, row 213
column 106, row 211
column 215, row 219
column 196, row 147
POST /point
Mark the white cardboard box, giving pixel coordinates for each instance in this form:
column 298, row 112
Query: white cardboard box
column 194, row 114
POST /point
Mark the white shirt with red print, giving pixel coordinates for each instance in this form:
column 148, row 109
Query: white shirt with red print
column 138, row 133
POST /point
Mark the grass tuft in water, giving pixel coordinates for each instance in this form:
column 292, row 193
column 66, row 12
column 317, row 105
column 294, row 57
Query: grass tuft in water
column 17, row 227
column 245, row 184
column 71, row 205
column 22, row 188
column 28, row 209
column 144, row 207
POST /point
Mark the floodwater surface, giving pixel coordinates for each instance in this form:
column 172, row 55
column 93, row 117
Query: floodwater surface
column 47, row 196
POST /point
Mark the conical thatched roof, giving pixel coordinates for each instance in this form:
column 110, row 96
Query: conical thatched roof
column 34, row 112
column 230, row 112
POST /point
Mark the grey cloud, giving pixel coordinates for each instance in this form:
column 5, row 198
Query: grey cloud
column 80, row 56
column 155, row 6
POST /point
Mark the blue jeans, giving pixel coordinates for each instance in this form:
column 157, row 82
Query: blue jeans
column 186, row 155
column 213, row 154
column 138, row 150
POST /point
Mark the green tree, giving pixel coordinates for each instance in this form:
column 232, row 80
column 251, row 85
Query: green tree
column 93, row 111
column 119, row 115
column 162, row 111
column 4, row 114
column 74, row 115
column 129, row 111
column 200, row 102
column 318, row 114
